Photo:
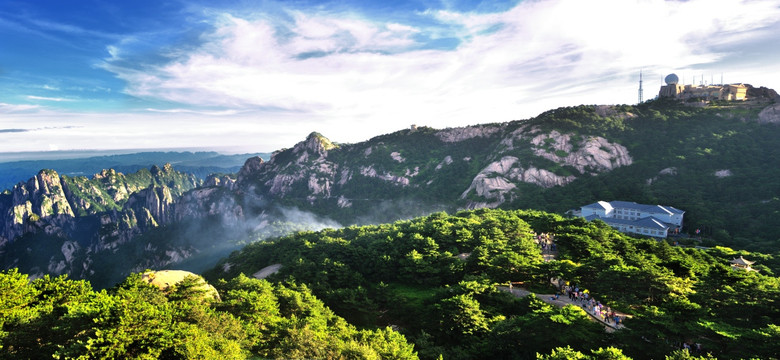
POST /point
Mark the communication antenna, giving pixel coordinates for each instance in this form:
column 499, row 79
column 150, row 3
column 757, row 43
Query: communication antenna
column 640, row 86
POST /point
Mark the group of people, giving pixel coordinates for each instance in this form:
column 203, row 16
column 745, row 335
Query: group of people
column 591, row 305
column 546, row 242
column 695, row 348
column 607, row 315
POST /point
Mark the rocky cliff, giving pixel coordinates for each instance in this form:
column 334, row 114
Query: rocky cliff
column 40, row 204
column 99, row 213
column 404, row 163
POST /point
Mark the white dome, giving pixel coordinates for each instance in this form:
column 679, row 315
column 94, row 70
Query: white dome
column 671, row 79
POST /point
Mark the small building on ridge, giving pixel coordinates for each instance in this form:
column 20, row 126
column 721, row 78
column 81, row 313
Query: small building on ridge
column 674, row 90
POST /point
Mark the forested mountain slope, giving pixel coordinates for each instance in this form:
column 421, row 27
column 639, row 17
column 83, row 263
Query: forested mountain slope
column 719, row 163
column 431, row 280
column 434, row 277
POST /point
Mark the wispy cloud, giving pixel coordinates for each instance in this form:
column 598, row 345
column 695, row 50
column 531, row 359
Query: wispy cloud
column 38, row 129
column 191, row 111
column 46, row 98
column 70, row 29
column 12, row 108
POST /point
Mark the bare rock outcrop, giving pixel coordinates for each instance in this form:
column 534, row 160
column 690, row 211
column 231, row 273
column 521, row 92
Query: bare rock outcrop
column 251, row 166
column 544, row 177
column 497, row 180
column 469, row 132
column 213, row 202
column 157, row 201
column 670, row 171
column 723, row 173
column 592, row 155
column 770, row 114
column 369, row 171
column 39, row 204
column 306, row 162
column 446, row 161
column 610, row 110
column 588, row 155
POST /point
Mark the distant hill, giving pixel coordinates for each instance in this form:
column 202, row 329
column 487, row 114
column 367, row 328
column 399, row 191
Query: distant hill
column 200, row 164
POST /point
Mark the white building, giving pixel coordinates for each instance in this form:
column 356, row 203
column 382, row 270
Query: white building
column 630, row 217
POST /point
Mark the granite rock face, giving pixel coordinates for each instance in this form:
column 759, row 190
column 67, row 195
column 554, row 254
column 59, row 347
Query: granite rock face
column 89, row 215
column 770, row 114
column 497, row 182
column 40, row 204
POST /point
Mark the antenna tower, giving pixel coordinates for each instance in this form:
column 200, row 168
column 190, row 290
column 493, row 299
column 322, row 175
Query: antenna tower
column 640, row 86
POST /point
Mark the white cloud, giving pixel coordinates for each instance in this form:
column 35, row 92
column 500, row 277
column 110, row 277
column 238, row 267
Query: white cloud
column 46, row 98
column 191, row 111
column 352, row 77
column 12, row 108
column 356, row 69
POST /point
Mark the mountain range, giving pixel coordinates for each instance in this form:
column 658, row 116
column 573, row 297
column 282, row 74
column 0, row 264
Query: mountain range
column 719, row 163
column 78, row 163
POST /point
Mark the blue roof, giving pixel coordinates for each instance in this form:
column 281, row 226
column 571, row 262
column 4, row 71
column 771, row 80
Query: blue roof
column 648, row 222
column 602, row 205
column 646, row 208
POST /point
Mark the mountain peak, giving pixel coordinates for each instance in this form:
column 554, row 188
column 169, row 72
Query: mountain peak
column 252, row 165
column 317, row 143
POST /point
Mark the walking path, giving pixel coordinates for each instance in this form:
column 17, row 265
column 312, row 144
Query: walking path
column 563, row 301
column 549, row 250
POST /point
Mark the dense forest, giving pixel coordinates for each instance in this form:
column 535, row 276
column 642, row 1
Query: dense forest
column 434, row 278
column 423, row 288
column 67, row 319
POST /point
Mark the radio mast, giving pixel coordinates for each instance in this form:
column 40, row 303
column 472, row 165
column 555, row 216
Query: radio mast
column 640, row 86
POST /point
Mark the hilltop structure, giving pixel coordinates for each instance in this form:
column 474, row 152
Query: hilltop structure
column 630, row 217
column 674, row 90
column 741, row 264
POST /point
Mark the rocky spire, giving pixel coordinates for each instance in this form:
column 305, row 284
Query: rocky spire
column 315, row 143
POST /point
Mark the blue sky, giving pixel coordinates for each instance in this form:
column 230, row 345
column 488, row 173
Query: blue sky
column 261, row 75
